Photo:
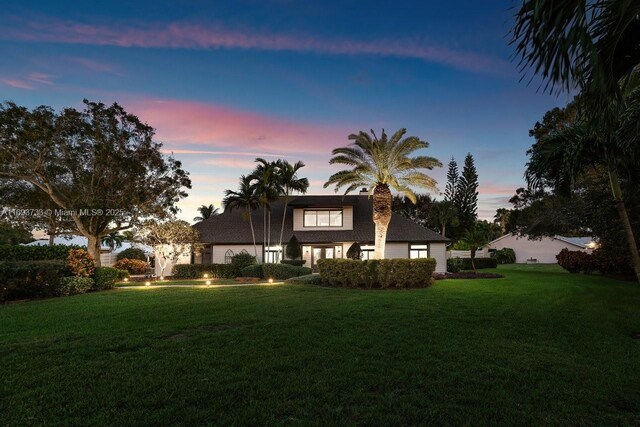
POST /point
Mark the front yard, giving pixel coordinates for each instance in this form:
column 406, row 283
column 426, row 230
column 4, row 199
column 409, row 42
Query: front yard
column 538, row 346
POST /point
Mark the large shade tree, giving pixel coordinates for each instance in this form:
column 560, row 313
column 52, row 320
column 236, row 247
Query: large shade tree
column 101, row 165
column 382, row 164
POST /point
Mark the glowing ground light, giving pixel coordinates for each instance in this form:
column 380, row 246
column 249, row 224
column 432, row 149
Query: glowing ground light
column 205, row 275
column 161, row 277
column 208, row 282
column 147, row 283
column 270, row 280
column 126, row 279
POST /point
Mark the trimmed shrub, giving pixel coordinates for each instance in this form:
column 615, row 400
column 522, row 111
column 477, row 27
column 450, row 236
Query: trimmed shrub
column 504, row 256
column 480, row 263
column 575, row 261
column 74, row 285
column 35, row 253
column 197, row 271
column 455, row 265
column 106, row 277
column 354, row 251
column 385, row 273
column 274, row 271
column 293, row 249
column 307, row 279
column 30, row 279
column 296, row 262
column 252, row 271
column 605, row 263
column 132, row 253
column 242, row 260
column 80, row 263
column 133, row 266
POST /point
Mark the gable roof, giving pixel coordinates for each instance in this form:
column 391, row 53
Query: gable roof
column 233, row 228
column 580, row 242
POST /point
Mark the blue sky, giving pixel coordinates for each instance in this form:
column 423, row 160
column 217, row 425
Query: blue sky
column 223, row 82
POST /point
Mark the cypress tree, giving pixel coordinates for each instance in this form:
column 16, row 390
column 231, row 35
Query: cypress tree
column 452, row 181
column 466, row 195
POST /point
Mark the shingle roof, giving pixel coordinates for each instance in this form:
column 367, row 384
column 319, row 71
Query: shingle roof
column 233, row 228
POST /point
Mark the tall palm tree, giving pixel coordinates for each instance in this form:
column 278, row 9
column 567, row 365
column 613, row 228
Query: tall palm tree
column 206, row 212
column 113, row 240
column 380, row 165
column 267, row 188
column 244, row 199
column 289, row 181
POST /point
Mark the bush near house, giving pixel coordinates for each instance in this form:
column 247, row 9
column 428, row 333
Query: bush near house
column 504, row 256
column 480, row 263
column 603, row 262
column 133, row 266
column 80, row 263
column 197, row 271
column 307, row 279
column 296, row 262
column 35, row 253
column 106, row 277
column 384, row 273
column 274, row 271
column 132, row 253
column 455, row 265
column 74, row 285
column 242, row 260
column 30, row 279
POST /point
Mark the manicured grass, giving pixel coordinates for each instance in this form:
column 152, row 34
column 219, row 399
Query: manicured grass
column 189, row 282
column 538, row 346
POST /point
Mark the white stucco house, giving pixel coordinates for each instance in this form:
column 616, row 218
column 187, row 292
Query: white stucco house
column 543, row 250
column 325, row 225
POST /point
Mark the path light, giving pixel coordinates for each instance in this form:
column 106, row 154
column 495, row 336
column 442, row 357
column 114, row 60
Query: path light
column 205, row 275
column 161, row 277
column 126, row 279
column 270, row 280
column 208, row 282
column 147, row 283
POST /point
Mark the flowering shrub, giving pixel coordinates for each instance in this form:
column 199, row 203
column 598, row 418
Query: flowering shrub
column 133, row 266
column 80, row 263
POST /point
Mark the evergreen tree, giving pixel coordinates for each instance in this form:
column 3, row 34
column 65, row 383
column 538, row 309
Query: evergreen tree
column 466, row 196
column 294, row 249
column 354, row 252
column 452, row 181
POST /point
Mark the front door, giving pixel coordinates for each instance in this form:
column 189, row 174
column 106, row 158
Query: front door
column 322, row 252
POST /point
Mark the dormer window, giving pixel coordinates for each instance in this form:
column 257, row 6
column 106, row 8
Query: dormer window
column 323, row 218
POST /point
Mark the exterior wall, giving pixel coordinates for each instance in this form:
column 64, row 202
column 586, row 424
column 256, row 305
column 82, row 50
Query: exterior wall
column 347, row 221
column 439, row 252
column 218, row 252
column 396, row 250
column 544, row 250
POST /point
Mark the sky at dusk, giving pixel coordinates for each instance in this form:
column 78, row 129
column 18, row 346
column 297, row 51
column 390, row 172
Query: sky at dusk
column 225, row 82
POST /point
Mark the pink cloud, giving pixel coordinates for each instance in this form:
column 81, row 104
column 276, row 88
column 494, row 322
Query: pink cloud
column 192, row 36
column 17, row 83
column 181, row 123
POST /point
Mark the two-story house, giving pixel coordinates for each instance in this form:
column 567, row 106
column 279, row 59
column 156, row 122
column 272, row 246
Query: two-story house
column 325, row 225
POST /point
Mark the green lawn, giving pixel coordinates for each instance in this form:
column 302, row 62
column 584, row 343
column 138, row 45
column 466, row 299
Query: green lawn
column 538, row 346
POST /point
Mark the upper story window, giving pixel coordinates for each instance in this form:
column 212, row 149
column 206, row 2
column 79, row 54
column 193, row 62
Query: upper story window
column 323, row 218
column 419, row 251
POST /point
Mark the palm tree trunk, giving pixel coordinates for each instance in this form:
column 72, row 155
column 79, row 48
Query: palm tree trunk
column 264, row 233
column 381, row 217
column 444, row 227
column 473, row 257
column 253, row 235
column 284, row 216
column 626, row 224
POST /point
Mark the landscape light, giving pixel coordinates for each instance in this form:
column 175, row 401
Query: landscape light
column 147, row 283
column 270, row 280
column 205, row 275
column 161, row 277
column 208, row 282
column 126, row 279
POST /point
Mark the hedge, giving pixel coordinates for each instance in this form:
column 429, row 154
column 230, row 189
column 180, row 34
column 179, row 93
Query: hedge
column 504, row 256
column 605, row 263
column 480, row 263
column 106, row 277
column 455, row 265
column 35, row 253
column 132, row 253
column 274, row 271
column 307, row 279
column 197, row 271
column 30, row 279
column 385, row 273
column 74, row 285
column 296, row 262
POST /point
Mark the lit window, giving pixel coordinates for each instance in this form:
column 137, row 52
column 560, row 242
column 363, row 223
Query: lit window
column 323, row 218
column 418, row 251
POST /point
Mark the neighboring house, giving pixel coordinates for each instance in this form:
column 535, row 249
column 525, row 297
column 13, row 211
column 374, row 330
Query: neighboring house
column 542, row 250
column 326, row 227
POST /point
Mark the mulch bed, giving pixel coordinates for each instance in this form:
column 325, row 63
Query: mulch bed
column 466, row 275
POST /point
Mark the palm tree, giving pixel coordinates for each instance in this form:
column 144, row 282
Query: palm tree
column 380, row 165
column 245, row 199
column 206, row 212
column 475, row 238
column 267, row 188
column 288, row 178
column 113, row 240
column 131, row 236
